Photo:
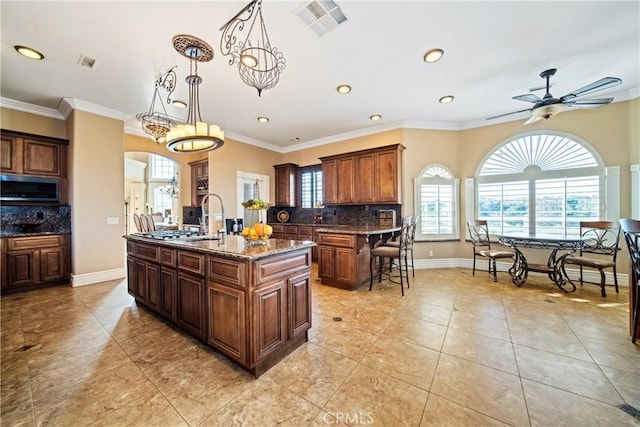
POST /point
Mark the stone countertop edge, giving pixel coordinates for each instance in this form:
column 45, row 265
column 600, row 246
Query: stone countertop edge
column 38, row 233
column 359, row 230
column 234, row 246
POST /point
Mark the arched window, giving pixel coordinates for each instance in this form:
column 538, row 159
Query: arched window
column 541, row 183
column 436, row 204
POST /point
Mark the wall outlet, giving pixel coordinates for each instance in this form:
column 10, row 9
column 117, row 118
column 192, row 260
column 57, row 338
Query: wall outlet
column 430, row 253
column 39, row 215
column 113, row 220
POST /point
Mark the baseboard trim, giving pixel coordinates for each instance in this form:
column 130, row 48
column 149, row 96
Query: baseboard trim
column 97, row 277
column 589, row 275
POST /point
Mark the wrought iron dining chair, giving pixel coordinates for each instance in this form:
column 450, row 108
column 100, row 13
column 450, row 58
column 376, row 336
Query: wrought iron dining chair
column 392, row 253
column 599, row 251
column 410, row 220
column 138, row 223
column 631, row 232
column 148, row 220
column 479, row 234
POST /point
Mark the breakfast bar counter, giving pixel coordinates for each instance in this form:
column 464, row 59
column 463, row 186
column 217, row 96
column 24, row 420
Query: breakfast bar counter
column 344, row 253
column 250, row 302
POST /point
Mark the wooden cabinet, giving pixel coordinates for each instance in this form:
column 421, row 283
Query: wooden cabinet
column 199, row 180
column 299, row 305
column 27, row 154
column 343, row 259
column 296, row 232
column 363, row 177
column 269, row 326
column 35, row 261
column 190, row 313
column 286, row 179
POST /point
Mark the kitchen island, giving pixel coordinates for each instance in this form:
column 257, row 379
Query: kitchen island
column 250, row 302
column 344, row 253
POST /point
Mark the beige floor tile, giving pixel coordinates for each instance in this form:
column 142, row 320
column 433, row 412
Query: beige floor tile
column 150, row 410
column 265, row 404
column 93, row 398
column 626, row 383
column 403, row 360
column 441, row 412
column 576, row 376
column 131, row 326
column 417, row 331
column 347, row 340
column 625, row 357
column 481, row 349
column 370, row 394
column 327, row 419
column 434, row 313
column 486, row 390
column 549, row 340
column 312, row 372
column 481, row 323
column 540, row 319
column 549, row 406
column 17, row 415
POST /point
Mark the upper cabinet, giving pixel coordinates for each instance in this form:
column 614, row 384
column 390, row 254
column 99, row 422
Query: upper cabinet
column 363, row 177
column 25, row 154
column 286, row 178
column 199, row 180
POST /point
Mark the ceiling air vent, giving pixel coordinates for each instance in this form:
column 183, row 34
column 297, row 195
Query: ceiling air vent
column 85, row 61
column 322, row 16
column 295, row 139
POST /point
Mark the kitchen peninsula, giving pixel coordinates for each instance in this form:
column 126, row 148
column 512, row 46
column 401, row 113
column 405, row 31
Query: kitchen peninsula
column 250, row 302
column 344, row 253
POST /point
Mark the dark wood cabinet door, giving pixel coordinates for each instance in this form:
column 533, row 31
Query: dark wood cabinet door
column 365, row 182
column 191, row 304
column 153, row 286
column 330, row 182
column 132, row 277
column 42, row 158
column 346, row 185
column 286, row 178
column 24, row 268
column 326, row 262
column 53, row 265
column 269, row 323
column 169, row 293
column 227, row 328
column 141, row 280
column 10, row 155
column 345, row 265
column 299, row 292
column 387, row 177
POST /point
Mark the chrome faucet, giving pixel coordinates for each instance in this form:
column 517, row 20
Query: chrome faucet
column 205, row 215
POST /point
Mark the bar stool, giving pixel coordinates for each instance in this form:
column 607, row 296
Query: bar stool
column 411, row 220
column 392, row 253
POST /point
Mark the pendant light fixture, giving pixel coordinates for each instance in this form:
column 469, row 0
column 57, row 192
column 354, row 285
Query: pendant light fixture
column 155, row 122
column 259, row 64
column 195, row 135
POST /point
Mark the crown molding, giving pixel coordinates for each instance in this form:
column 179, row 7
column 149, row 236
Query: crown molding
column 25, row 107
column 69, row 104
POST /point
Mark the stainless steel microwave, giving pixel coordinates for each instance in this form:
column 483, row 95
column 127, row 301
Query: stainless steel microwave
column 19, row 188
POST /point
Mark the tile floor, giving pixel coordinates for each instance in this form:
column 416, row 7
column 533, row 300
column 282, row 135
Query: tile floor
column 457, row 350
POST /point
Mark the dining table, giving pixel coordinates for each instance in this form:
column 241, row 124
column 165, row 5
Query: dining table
column 559, row 247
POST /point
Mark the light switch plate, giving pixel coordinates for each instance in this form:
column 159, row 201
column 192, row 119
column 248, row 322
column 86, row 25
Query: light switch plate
column 113, row 220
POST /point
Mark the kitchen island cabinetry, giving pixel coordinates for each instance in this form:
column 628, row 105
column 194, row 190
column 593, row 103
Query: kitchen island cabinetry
column 30, row 262
column 344, row 254
column 363, row 177
column 251, row 303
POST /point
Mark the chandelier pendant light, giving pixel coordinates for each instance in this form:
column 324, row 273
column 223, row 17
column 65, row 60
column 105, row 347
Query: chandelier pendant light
column 154, row 122
column 195, row 135
column 259, row 63
column 171, row 190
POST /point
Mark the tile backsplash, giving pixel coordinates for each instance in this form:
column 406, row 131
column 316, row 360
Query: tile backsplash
column 38, row 219
column 359, row 215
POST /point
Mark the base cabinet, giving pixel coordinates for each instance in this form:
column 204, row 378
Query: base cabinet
column 35, row 261
column 227, row 321
column 269, row 327
column 191, row 314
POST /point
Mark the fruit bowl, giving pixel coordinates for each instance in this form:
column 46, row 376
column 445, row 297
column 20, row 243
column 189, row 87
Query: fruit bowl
column 258, row 234
column 256, row 205
column 257, row 240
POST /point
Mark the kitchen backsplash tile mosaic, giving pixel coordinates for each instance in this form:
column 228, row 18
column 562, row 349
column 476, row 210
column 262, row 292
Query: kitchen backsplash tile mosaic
column 34, row 219
column 360, row 215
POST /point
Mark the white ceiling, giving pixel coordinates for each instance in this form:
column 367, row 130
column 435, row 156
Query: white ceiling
column 493, row 51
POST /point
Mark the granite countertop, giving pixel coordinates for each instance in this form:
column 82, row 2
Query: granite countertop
column 26, row 234
column 359, row 230
column 233, row 246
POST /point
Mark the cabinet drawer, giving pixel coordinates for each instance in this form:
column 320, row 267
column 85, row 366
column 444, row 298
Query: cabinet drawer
column 35, row 242
column 305, row 230
column 279, row 267
column 168, row 257
column 148, row 252
column 337, row 240
column 277, row 228
column 226, row 272
column 291, row 231
column 191, row 262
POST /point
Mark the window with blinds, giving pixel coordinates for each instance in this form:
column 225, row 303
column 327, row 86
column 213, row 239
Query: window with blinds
column 540, row 184
column 311, row 186
column 436, row 204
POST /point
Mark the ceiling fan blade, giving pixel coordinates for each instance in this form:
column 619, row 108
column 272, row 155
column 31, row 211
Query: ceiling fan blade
column 532, row 119
column 529, row 97
column 508, row 114
column 589, row 103
column 601, row 84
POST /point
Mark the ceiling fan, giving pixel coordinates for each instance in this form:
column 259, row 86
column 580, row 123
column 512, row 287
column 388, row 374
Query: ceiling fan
column 548, row 106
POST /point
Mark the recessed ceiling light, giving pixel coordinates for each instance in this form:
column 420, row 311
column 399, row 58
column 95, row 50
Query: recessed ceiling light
column 375, row 117
column 343, row 89
column 29, row 52
column 446, row 99
column 179, row 104
column 262, row 119
column 433, row 55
